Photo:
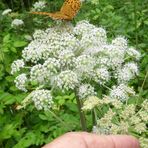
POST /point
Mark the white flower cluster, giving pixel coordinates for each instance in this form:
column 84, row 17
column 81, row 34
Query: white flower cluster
column 42, row 99
column 38, row 73
column 90, row 35
column 52, row 66
column 7, row 11
column 17, row 23
column 102, row 75
column 127, row 72
column 133, row 53
column 85, row 91
column 37, row 6
column 67, row 58
column 84, row 66
column 128, row 119
column 67, row 80
column 90, row 103
column 20, row 82
column 121, row 92
column 50, row 43
column 17, row 65
column 120, row 42
column 143, row 142
column 114, row 54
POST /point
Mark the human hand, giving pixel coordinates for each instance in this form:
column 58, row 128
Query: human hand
column 88, row 140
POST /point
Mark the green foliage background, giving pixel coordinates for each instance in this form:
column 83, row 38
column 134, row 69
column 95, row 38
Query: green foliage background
column 30, row 128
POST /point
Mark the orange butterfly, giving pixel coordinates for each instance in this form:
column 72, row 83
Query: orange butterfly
column 67, row 11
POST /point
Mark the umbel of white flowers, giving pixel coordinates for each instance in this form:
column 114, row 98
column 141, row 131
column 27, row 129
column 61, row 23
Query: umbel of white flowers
column 69, row 58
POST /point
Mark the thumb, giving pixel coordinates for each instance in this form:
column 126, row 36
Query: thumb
column 88, row 140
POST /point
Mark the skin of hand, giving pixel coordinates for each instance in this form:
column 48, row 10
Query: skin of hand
column 89, row 140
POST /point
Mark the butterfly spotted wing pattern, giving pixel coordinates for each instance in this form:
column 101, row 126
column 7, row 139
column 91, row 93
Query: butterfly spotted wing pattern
column 67, row 11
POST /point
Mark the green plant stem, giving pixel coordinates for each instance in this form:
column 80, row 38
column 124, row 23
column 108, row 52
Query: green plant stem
column 144, row 81
column 81, row 113
column 60, row 120
column 135, row 22
column 94, row 117
column 106, row 87
column 11, row 4
column 22, row 5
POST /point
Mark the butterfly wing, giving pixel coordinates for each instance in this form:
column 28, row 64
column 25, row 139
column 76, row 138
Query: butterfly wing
column 70, row 8
column 56, row 15
column 67, row 11
column 59, row 16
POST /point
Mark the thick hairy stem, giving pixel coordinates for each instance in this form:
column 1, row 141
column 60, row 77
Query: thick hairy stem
column 82, row 116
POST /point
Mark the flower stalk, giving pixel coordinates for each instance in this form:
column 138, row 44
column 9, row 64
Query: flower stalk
column 81, row 113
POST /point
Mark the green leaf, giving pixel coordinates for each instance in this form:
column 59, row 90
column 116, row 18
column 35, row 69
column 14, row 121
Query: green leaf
column 19, row 43
column 72, row 107
column 146, row 22
column 14, row 88
column 43, row 117
column 9, row 101
column 6, row 38
column 1, row 108
column 13, row 50
column 10, row 78
column 61, row 101
column 7, row 131
column 7, row 98
column 28, row 140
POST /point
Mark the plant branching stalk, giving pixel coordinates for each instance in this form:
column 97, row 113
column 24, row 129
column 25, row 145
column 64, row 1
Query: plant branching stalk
column 60, row 120
column 82, row 116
